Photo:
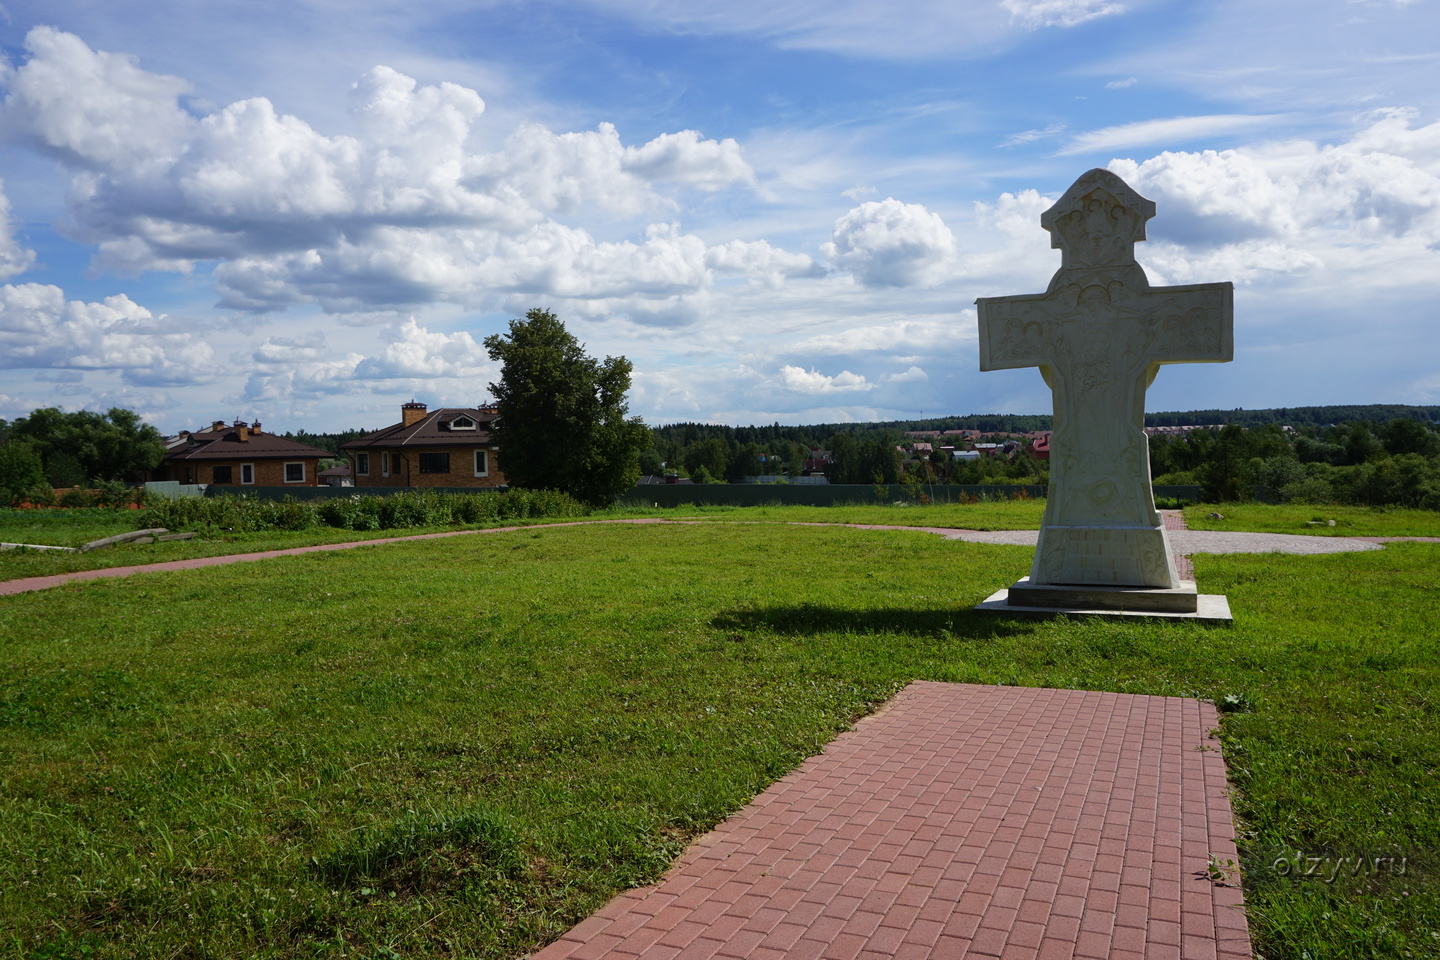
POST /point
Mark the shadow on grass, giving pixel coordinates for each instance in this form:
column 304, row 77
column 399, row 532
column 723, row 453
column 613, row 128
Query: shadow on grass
column 810, row 618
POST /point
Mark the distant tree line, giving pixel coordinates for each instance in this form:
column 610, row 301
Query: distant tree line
column 327, row 441
column 1373, row 454
column 1296, row 416
column 52, row 449
column 1395, row 461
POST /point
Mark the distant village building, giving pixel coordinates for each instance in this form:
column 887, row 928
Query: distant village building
column 241, row 454
column 337, row 476
column 449, row 447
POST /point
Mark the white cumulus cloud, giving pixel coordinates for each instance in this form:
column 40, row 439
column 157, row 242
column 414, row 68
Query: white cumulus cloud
column 800, row 380
column 912, row 375
column 1372, row 202
column 686, row 159
column 14, row 256
column 40, row 329
column 414, row 352
column 760, row 262
column 403, row 213
column 887, row 243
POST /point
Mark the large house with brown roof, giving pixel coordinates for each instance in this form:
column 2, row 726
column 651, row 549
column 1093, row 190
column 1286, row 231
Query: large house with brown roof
column 241, row 454
column 449, row 447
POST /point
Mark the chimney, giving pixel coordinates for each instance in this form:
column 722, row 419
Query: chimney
column 217, row 426
column 255, row 428
column 242, row 430
column 411, row 412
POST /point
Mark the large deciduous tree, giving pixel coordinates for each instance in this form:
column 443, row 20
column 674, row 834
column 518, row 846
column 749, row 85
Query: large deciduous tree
column 85, row 446
column 562, row 421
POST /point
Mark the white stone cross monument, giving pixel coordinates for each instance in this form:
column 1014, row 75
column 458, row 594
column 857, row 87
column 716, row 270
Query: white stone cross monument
column 1099, row 335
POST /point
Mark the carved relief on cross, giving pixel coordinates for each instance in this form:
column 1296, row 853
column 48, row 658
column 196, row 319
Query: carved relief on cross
column 1099, row 334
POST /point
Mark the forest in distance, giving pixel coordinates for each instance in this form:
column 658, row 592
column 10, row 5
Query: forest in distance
column 684, row 433
column 1373, row 454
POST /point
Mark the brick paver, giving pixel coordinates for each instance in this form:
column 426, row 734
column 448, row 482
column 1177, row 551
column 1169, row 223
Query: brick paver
column 963, row 821
column 1175, row 520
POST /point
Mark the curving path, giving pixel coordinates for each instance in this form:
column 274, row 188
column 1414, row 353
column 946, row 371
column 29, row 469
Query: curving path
column 1185, row 542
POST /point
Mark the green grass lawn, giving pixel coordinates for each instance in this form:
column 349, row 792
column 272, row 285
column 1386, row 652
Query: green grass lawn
column 990, row 515
column 461, row 747
column 79, row 529
column 1297, row 518
column 76, row 527
column 64, row 528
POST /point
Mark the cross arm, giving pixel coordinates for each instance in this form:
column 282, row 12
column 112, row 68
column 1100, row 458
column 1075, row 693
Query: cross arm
column 1016, row 331
column 1194, row 323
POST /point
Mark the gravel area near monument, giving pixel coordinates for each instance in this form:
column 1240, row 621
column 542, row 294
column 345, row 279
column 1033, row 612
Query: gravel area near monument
column 1182, row 541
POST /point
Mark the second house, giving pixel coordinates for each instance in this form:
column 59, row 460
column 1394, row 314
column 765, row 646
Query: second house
column 449, row 447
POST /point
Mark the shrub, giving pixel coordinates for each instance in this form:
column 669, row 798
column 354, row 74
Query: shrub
column 1310, row 490
column 40, row 495
column 409, row 508
column 116, row 494
column 76, row 498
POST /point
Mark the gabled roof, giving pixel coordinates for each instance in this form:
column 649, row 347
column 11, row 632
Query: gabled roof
column 226, row 445
column 438, row 428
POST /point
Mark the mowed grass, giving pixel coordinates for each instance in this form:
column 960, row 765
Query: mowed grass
column 79, row 529
column 64, row 528
column 73, row 528
column 989, row 515
column 1350, row 521
column 462, row 747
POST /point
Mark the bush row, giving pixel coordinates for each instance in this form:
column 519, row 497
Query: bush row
column 411, row 508
column 104, row 493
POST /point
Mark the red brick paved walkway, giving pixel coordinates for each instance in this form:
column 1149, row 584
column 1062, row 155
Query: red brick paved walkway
column 962, row 821
column 1175, row 520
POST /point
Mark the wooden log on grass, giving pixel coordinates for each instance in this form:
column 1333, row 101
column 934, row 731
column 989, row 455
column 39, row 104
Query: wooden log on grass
column 149, row 534
column 35, row 546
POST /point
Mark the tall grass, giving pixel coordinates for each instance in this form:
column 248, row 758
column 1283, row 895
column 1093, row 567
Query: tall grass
column 410, row 508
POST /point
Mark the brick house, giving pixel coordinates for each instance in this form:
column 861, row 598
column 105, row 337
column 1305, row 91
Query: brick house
column 449, row 447
column 241, row 454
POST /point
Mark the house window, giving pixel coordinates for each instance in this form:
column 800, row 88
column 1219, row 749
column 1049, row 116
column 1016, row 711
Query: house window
column 247, row 473
column 462, row 423
column 362, row 464
column 384, row 464
column 295, row 472
column 221, row 474
column 482, row 463
column 434, row 463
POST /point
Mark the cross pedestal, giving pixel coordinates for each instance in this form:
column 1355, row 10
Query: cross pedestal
column 1099, row 334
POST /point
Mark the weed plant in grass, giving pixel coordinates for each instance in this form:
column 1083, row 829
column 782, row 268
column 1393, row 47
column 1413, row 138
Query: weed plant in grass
column 1350, row 521
column 462, row 747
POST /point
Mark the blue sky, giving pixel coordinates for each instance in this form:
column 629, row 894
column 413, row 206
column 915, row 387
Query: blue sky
column 308, row 212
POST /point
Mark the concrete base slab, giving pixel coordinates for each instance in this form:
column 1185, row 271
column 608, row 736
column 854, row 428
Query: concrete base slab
column 1210, row 608
column 1183, row 598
